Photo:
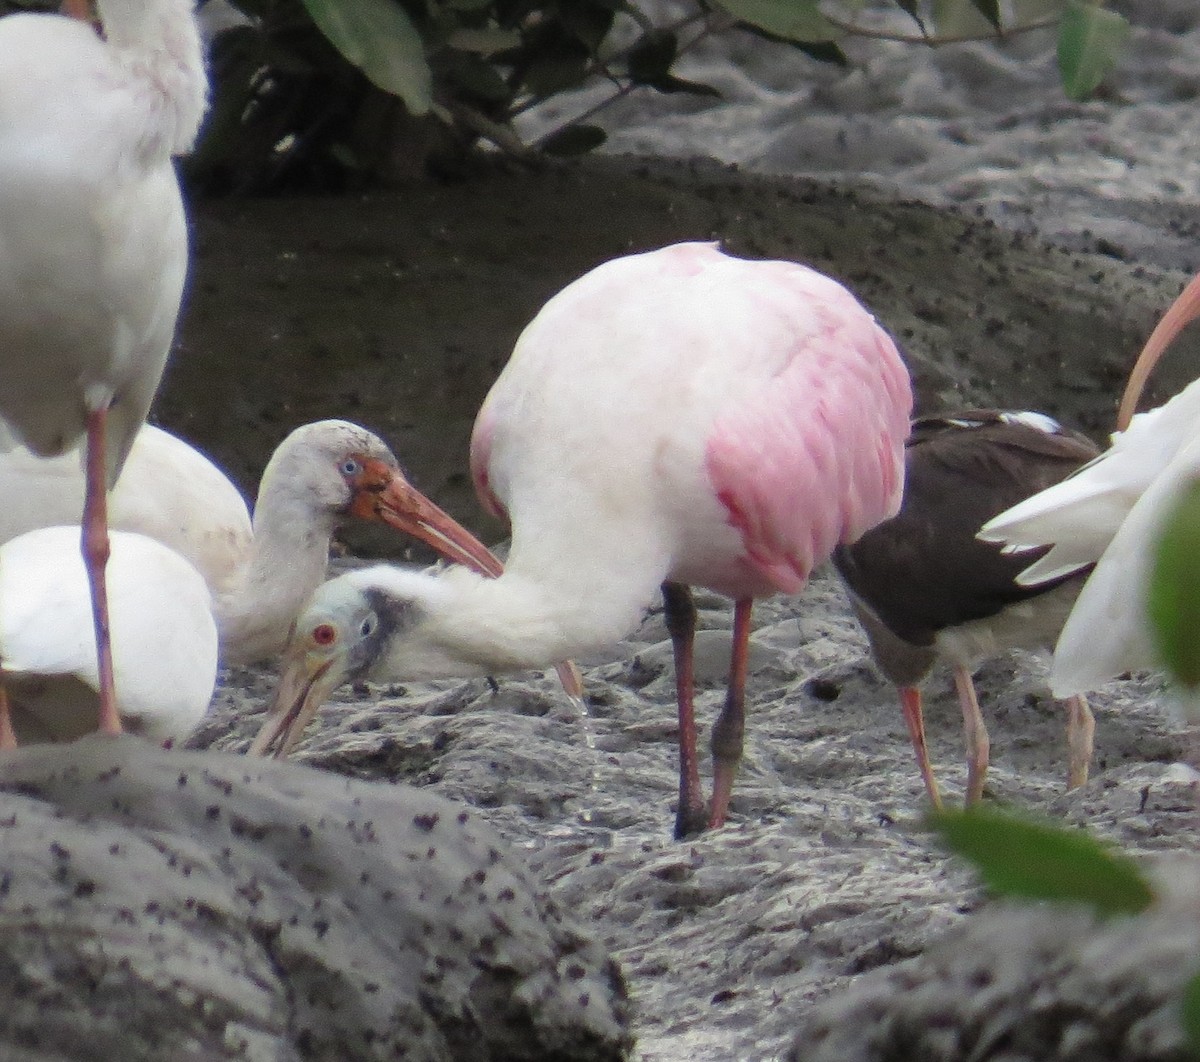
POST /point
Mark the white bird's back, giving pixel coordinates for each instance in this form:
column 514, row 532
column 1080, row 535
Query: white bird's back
column 167, row 490
column 93, row 245
column 163, row 635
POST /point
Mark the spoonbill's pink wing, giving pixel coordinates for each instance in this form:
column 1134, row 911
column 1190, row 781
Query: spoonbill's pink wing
column 816, row 456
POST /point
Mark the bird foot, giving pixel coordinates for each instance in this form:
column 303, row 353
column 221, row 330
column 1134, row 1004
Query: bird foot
column 690, row 821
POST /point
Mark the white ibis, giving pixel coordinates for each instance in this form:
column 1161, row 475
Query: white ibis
column 164, row 639
column 167, row 490
column 925, row 588
column 259, row 573
column 93, row 245
column 1109, row 514
column 674, row 417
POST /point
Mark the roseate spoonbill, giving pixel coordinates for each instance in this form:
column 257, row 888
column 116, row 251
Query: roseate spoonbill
column 1108, row 514
column 674, row 417
column 925, row 588
column 163, row 637
column 93, row 245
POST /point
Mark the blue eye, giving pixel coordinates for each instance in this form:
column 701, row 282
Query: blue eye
column 351, row 467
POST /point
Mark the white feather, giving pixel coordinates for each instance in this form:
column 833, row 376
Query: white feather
column 163, row 636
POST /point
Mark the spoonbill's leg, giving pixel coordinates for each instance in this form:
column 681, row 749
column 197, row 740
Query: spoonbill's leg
column 730, row 728
column 974, row 733
column 8, row 739
column 95, row 558
column 914, row 719
column 679, row 611
column 1081, row 735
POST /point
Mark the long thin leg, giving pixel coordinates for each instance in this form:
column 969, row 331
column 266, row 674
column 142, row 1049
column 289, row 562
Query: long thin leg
column 95, row 558
column 730, row 728
column 680, row 614
column 974, row 734
column 8, row 738
column 914, row 719
column 1081, row 736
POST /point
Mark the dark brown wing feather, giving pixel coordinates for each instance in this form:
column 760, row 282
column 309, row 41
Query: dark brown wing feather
column 924, row 570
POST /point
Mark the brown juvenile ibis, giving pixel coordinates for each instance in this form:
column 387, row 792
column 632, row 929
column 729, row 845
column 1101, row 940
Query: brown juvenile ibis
column 925, row 588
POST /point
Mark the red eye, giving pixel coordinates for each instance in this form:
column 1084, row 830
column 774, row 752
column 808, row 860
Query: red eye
column 324, row 634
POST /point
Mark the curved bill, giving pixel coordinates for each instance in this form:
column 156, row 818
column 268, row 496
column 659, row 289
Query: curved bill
column 300, row 693
column 1183, row 311
column 386, row 496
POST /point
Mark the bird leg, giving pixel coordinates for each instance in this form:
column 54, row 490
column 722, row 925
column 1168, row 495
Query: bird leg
column 730, row 728
column 680, row 614
column 8, row 737
column 95, row 557
column 974, row 734
column 914, row 719
column 1081, row 733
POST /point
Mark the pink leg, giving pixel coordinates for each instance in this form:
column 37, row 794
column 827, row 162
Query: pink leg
column 95, row 558
column 80, row 9
column 914, row 719
column 680, row 615
column 1081, row 735
column 730, row 728
column 8, row 738
column 974, row 734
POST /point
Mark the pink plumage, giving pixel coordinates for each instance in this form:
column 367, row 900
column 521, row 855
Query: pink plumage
column 685, row 417
column 756, row 395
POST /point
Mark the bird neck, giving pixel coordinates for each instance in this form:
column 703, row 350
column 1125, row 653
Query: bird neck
column 479, row 626
column 158, row 44
column 287, row 561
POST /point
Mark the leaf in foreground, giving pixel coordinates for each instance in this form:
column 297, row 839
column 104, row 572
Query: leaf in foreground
column 1173, row 603
column 380, row 39
column 1023, row 858
column 1089, row 38
column 1190, row 1014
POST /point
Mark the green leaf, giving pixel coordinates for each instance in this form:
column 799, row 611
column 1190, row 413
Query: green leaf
column 990, row 10
column 1021, row 857
column 670, row 83
column 1190, row 1007
column 823, row 52
column 1089, row 38
column 1173, row 602
column 909, row 7
column 574, row 140
column 651, row 57
column 793, row 20
column 483, row 41
column 1026, row 11
column 379, row 38
column 960, row 18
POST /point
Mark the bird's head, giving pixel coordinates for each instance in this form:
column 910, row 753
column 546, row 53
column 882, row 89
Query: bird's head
column 377, row 623
column 348, row 471
column 336, row 639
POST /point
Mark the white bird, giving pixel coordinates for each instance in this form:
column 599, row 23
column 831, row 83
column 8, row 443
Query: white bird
column 167, row 490
column 260, row 572
column 1111, row 513
column 93, row 244
column 163, row 637
column 670, row 418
